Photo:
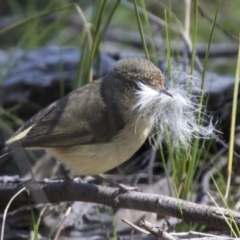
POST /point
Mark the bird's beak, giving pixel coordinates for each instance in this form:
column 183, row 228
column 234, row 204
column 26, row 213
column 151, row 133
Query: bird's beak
column 166, row 92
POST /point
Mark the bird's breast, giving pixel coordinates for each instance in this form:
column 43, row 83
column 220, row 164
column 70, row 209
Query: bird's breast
column 98, row 158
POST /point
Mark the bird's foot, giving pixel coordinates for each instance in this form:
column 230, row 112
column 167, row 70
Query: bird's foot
column 65, row 173
column 122, row 188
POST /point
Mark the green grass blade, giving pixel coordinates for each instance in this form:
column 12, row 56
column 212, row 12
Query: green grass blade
column 150, row 33
column 36, row 17
column 168, row 45
column 233, row 122
column 195, row 153
column 140, row 29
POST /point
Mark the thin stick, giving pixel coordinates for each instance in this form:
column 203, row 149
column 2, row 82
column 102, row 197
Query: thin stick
column 61, row 224
column 6, row 210
column 135, row 227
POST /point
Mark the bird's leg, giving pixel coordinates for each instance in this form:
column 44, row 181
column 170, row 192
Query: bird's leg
column 123, row 188
column 65, row 173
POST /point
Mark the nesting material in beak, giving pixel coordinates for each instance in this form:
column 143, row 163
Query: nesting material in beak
column 166, row 92
column 177, row 115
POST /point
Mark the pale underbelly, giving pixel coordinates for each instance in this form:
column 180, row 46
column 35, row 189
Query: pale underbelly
column 95, row 159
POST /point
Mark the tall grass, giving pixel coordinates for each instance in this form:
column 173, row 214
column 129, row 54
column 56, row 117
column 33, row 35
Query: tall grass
column 96, row 19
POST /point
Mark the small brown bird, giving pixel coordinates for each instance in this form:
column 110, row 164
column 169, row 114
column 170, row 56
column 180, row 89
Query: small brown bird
column 102, row 124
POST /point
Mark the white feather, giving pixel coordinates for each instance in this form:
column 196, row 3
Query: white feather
column 177, row 115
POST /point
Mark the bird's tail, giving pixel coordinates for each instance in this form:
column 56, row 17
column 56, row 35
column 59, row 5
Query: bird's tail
column 4, row 150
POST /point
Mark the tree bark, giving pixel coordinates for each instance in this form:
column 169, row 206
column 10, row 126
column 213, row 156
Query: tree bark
column 58, row 191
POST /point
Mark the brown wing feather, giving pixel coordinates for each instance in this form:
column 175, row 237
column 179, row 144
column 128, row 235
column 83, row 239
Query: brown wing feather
column 79, row 118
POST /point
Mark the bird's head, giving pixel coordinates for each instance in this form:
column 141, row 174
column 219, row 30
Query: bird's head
column 138, row 71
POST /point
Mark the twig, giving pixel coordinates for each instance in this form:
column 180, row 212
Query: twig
column 6, row 210
column 156, row 231
column 198, row 235
column 135, row 227
column 78, row 191
column 61, row 224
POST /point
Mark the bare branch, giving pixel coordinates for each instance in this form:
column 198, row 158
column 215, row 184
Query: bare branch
column 58, row 191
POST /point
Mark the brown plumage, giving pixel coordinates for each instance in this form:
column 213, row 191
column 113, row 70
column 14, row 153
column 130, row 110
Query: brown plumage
column 92, row 129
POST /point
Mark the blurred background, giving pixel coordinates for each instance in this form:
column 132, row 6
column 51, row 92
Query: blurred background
column 49, row 48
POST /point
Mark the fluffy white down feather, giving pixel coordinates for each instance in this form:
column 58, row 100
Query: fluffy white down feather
column 177, row 115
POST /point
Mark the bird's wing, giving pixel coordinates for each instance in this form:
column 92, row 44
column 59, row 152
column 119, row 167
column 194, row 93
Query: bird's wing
column 82, row 117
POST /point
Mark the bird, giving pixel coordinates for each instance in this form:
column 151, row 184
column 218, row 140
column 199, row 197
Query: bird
column 101, row 124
